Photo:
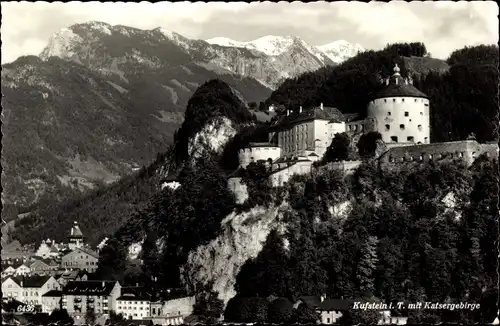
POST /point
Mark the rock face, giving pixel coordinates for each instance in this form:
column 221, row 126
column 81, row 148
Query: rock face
column 242, row 238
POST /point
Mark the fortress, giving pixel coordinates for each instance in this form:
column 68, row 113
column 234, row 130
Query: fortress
column 399, row 112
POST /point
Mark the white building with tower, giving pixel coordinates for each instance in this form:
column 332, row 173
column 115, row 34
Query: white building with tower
column 400, row 112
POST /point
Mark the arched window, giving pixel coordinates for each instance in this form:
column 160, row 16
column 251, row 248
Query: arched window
column 387, row 127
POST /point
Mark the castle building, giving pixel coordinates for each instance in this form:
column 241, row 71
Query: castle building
column 400, row 112
column 76, row 237
column 303, row 132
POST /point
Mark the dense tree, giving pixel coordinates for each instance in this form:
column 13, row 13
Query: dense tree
column 246, row 309
column 338, row 149
column 304, row 314
column 208, row 307
column 367, row 145
column 280, row 311
column 112, row 260
column 267, row 274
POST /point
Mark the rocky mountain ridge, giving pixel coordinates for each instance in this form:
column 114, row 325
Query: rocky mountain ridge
column 122, row 86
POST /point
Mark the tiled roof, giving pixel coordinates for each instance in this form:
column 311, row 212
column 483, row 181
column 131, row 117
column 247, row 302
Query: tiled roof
column 35, row 281
column 75, row 231
column 398, row 90
column 311, row 301
column 131, row 297
column 335, row 305
column 262, row 144
column 53, row 293
column 316, row 113
column 351, row 117
column 89, row 252
column 89, row 288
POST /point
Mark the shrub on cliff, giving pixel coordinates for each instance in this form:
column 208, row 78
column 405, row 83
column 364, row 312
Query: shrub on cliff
column 212, row 99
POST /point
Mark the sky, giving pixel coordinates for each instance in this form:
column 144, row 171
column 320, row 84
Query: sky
column 443, row 26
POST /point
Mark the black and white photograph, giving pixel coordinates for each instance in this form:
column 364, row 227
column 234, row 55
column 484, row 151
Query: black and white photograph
column 244, row 163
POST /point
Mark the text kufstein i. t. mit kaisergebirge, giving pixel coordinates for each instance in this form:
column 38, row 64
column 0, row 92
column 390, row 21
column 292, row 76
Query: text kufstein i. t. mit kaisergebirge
column 416, row 305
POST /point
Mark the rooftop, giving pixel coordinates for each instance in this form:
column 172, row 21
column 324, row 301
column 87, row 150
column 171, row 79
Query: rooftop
column 53, row 293
column 89, row 288
column 35, row 281
column 316, row 113
column 75, row 231
column 335, row 305
column 399, row 87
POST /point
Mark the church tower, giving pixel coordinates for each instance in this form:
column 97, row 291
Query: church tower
column 76, row 237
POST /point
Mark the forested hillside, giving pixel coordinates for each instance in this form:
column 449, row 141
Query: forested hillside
column 102, row 211
column 463, row 90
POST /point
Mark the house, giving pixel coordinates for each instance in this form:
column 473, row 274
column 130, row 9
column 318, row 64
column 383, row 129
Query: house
column 134, row 306
column 43, row 266
column 48, row 248
column 171, row 307
column 22, row 270
column 80, row 296
column 29, row 290
column 8, row 270
column 11, row 289
column 81, row 258
column 331, row 310
column 51, row 300
column 68, row 276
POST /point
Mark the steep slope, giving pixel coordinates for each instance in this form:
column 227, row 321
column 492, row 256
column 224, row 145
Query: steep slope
column 213, row 110
column 95, row 109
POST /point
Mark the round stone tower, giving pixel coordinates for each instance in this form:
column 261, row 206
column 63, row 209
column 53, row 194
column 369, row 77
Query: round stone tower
column 400, row 112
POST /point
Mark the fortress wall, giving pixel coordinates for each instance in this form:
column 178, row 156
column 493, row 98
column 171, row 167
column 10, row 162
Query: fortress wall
column 279, row 177
column 491, row 150
column 254, row 154
column 467, row 150
column 347, row 167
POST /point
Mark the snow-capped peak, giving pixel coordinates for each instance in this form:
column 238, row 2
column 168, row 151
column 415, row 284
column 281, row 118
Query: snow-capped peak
column 340, row 50
column 270, row 45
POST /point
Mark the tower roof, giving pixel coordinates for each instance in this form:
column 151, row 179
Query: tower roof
column 397, row 86
column 75, row 231
column 316, row 113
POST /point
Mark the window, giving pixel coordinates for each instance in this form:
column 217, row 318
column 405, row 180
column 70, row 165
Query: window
column 394, row 100
column 402, row 127
column 394, row 139
column 328, row 320
column 421, row 113
column 389, row 113
column 425, row 140
column 419, row 127
column 415, row 100
column 410, row 139
column 387, row 127
column 407, row 114
column 385, row 100
column 402, row 100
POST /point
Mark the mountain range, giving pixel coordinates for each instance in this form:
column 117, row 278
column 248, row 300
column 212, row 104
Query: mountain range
column 100, row 101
